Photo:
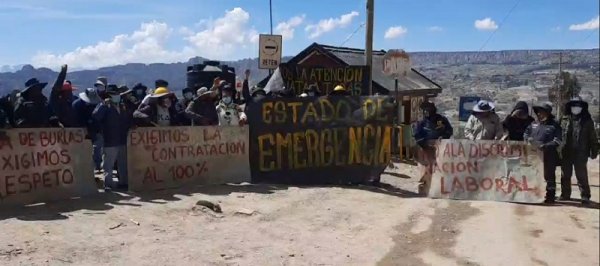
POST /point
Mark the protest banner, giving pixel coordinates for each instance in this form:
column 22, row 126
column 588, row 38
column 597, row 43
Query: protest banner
column 45, row 164
column 320, row 140
column 487, row 170
column 171, row 157
column 354, row 78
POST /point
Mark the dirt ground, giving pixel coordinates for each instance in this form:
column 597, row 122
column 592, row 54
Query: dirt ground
column 281, row 225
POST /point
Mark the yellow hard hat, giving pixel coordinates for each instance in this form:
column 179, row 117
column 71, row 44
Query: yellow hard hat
column 339, row 88
column 160, row 91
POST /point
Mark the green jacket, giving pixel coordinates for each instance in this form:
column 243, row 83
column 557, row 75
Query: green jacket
column 587, row 145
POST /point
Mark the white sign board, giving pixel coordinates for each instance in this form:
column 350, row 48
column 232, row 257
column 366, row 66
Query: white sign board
column 487, row 170
column 172, row 157
column 396, row 63
column 269, row 53
column 45, row 164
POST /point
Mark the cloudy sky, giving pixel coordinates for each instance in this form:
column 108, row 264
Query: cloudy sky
column 88, row 34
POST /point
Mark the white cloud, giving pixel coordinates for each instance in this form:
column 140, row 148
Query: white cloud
column 486, row 24
column 327, row 25
column 287, row 28
column 435, row 29
column 219, row 39
column 593, row 24
column 224, row 34
column 395, row 32
column 145, row 45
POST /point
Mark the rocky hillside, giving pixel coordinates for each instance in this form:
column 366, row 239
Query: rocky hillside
column 130, row 74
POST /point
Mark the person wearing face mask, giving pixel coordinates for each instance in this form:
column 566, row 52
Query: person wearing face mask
column 83, row 109
column 114, row 123
column 159, row 112
column 128, row 100
column 101, row 87
column 182, row 104
column 515, row 124
column 229, row 112
column 431, row 128
column 546, row 135
column 484, row 123
column 201, row 111
column 32, row 109
column 580, row 143
column 139, row 92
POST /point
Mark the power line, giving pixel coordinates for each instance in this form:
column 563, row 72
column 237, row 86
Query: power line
column 499, row 26
column 352, row 34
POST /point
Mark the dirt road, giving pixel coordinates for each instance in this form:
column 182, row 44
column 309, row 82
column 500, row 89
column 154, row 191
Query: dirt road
column 280, row 225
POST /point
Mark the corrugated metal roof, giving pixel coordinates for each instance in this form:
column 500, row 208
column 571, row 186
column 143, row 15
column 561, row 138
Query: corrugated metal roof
column 351, row 56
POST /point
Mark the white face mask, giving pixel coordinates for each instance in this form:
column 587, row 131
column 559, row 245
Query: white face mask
column 227, row 100
column 115, row 99
column 576, row 110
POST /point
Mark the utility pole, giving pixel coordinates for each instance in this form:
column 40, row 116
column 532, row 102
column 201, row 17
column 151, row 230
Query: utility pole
column 561, row 84
column 369, row 44
column 271, row 16
column 271, row 22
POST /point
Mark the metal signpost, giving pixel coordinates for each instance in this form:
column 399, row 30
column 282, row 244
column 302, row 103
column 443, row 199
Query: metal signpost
column 269, row 53
column 396, row 63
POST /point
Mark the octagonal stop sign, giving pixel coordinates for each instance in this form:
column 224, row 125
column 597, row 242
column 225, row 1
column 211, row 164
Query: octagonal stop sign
column 396, row 63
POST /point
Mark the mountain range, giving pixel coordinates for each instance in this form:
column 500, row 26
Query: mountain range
column 175, row 73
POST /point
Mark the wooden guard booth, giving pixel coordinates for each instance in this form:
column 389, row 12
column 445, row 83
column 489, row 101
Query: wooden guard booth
column 412, row 90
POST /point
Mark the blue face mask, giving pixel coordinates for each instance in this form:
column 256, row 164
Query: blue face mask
column 227, row 100
column 115, row 99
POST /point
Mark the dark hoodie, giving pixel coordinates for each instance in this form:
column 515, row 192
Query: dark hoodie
column 432, row 127
column 516, row 126
column 585, row 144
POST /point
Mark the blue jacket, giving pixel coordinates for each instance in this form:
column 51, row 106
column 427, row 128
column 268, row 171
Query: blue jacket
column 547, row 136
column 431, row 128
column 113, row 124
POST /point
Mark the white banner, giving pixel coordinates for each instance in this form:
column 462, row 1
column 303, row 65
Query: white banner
column 171, row 157
column 487, row 170
column 46, row 164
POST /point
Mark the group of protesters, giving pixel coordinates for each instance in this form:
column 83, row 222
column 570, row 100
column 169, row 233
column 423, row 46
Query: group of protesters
column 565, row 143
column 108, row 111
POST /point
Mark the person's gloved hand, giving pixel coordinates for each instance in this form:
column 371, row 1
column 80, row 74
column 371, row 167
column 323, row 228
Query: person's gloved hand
column 242, row 122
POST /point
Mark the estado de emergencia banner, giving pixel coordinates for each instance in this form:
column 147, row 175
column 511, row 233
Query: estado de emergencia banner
column 171, row 157
column 46, row 164
column 487, row 170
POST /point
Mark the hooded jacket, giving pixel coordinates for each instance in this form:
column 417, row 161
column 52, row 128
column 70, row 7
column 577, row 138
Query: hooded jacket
column 516, row 126
column 433, row 127
column 586, row 143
